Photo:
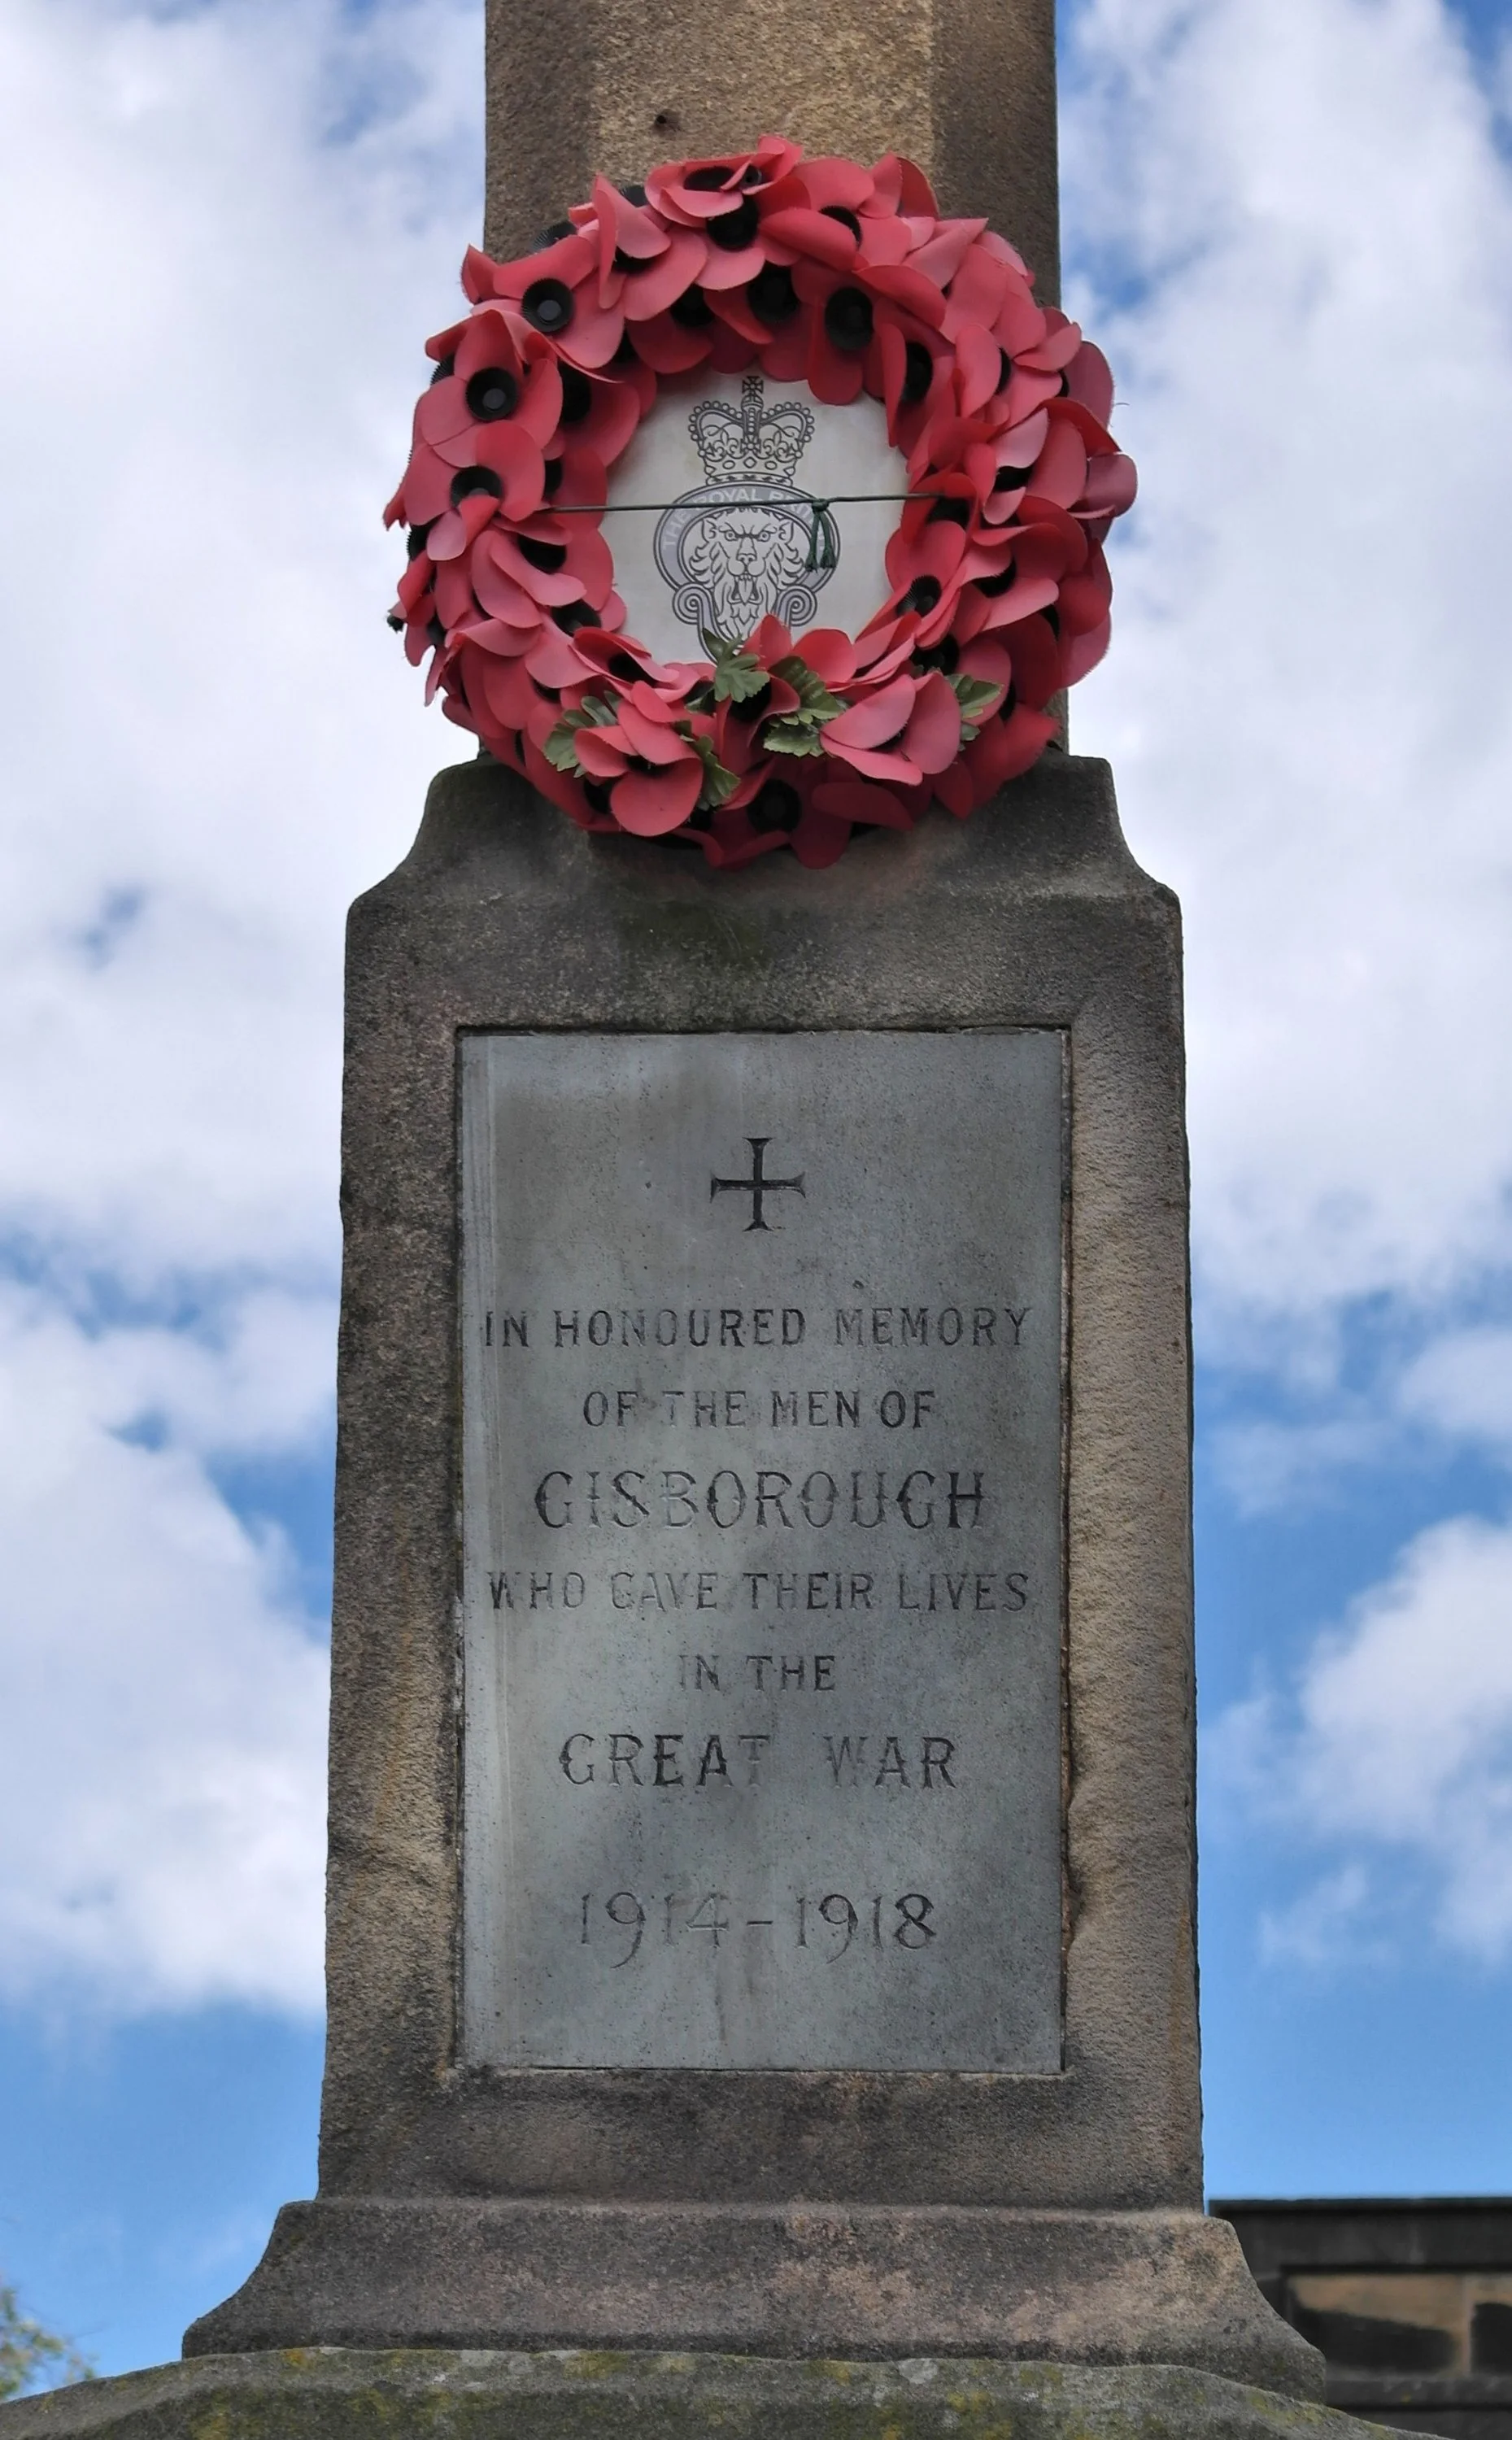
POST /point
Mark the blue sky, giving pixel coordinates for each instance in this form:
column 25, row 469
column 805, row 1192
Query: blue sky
column 1290, row 224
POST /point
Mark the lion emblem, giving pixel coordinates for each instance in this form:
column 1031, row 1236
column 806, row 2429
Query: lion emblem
column 744, row 563
column 741, row 547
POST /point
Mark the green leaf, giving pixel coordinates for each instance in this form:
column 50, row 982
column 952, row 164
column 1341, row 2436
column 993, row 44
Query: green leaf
column 561, row 748
column 813, row 694
column 974, row 696
column 31, row 2355
column 738, row 674
column 597, row 711
column 719, row 783
column 789, row 737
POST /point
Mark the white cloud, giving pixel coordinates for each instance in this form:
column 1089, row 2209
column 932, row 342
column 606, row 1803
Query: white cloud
column 1393, row 1749
column 1307, row 707
column 162, row 1742
column 1462, row 1386
column 1306, row 700
column 231, row 229
column 216, row 314
column 1332, row 1923
column 1266, row 1467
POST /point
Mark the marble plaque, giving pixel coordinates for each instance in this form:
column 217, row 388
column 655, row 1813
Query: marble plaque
column 762, row 1566
column 711, row 512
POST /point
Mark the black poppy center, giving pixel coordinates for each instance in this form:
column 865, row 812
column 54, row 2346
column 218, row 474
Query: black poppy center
column 994, row 585
column 419, row 537
column 771, row 294
column 776, row 807
column 547, row 556
column 921, row 595
column 597, row 795
column 492, row 394
column 692, row 309
column 847, row 220
column 918, row 372
column 621, row 666
column 476, row 478
column 570, row 616
column 554, row 471
column 708, row 179
column 942, row 655
column 950, row 513
column 732, row 231
column 1011, row 479
column 577, row 394
column 444, row 370
column 548, row 304
column 848, row 320
column 754, row 705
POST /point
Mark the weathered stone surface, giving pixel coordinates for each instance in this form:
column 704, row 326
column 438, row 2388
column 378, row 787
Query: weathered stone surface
column 334, row 2394
column 853, row 2211
column 762, row 1527
column 811, row 2279
column 965, row 87
column 1033, row 913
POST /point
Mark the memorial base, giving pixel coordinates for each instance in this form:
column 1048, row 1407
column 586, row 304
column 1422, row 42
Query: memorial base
column 800, row 2280
column 350, row 2394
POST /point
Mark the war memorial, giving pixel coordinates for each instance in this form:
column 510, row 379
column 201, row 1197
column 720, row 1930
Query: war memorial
column 761, row 1888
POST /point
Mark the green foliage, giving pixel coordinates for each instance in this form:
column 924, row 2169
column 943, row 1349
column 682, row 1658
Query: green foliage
column 974, row 696
column 738, row 674
column 810, row 688
column 598, row 712
column 32, row 2357
column 797, row 732
column 719, row 783
column 788, row 737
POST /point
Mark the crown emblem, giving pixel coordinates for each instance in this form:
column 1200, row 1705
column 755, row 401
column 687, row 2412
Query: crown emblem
column 752, row 442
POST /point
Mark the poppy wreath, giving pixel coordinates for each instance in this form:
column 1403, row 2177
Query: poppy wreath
column 814, row 271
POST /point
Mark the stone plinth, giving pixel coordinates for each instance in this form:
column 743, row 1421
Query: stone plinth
column 336, row 2394
column 851, row 2211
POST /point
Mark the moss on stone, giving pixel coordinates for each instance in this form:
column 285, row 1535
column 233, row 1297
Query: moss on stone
column 435, row 2394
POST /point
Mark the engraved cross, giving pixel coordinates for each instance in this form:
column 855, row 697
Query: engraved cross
column 758, row 1186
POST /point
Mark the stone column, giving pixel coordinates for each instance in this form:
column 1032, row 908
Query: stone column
column 966, row 88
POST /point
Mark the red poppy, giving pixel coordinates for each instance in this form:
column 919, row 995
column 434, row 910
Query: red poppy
column 696, row 193
column 654, row 775
column 803, row 806
column 651, row 288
